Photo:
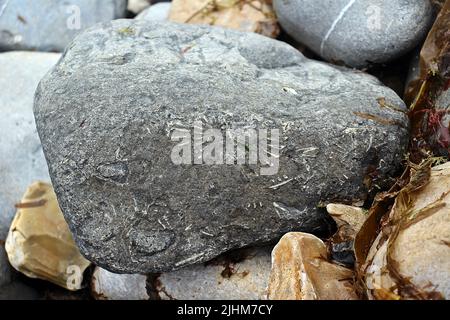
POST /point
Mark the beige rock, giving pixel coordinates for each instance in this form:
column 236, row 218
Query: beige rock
column 106, row 285
column 420, row 251
column 225, row 278
column 349, row 219
column 39, row 243
column 301, row 271
column 251, row 16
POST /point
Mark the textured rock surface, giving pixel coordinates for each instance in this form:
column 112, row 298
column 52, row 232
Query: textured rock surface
column 157, row 12
column 21, row 157
column 356, row 32
column 39, row 243
column 421, row 248
column 112, row 286
column 105, row 116
column 301, row 271
column 48, row 25
column 242, row 275
column 257, row 16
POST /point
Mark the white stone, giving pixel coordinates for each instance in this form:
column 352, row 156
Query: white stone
column 112, row 286
column 219, row 280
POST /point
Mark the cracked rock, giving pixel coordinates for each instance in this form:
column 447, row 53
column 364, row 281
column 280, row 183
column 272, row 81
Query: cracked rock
column 356, row 32
column 110, row 114
column 48, row 25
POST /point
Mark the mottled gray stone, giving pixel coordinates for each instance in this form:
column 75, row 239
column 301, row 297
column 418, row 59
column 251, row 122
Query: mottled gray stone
column 106, row 112
column 242, row 276
column 157, row 12
column 21, row 159
column 356, row 32
column 49, row 25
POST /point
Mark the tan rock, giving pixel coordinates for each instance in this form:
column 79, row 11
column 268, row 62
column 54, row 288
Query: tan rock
column 349, row 219
column 301, row 271
column 420, row 251
column 244, row 15
column 39, row 243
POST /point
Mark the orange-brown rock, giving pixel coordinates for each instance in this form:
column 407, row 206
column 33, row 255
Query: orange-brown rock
column 244, row 15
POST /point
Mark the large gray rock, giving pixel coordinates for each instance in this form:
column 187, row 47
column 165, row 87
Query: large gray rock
column 49, row 25
column 108, row 112
column 21, row 159
column 356, row 32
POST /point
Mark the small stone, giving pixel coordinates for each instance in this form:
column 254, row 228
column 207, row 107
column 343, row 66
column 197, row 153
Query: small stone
column 39, row 243
column 420, row 251
column 256, row 17
column 48, row 25
column 106, row 285
column 301, row 271
column 22, row 161
column 108, row 136
column 137, row 6
column 356, row 32
column 241, row 276
column 157, row 12
column 349, row 219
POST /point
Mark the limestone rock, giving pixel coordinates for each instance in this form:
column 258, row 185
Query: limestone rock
column 356, row 32
column 110, row 113
column 301, row 271
column 22, row 161
column 48, row 25
column 242, row 276
column 415, row 262
column 157, row 12
column 257, row 16
column 111, row 286
column 39, row 243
